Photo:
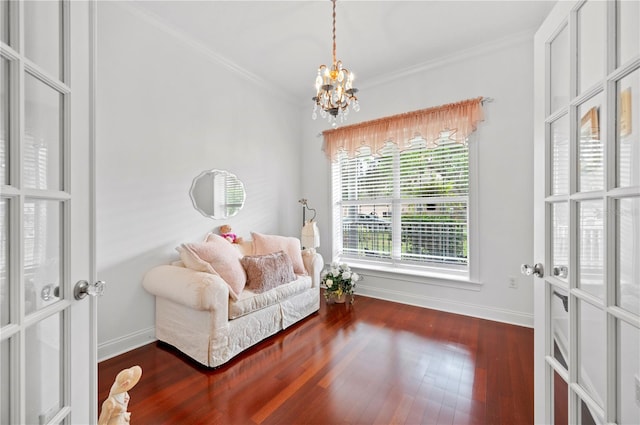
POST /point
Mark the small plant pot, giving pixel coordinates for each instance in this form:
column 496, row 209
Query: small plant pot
column 332, row 298
column 340, row 299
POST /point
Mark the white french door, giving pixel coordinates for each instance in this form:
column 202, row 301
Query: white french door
column 47, row 338
column 587, row 213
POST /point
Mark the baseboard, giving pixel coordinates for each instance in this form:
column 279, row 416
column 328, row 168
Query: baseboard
column 451, row 306
column 121, row 345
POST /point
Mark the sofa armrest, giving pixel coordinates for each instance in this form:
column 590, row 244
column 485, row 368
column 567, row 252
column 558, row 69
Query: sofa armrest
column 313, row 263
column 197, row 290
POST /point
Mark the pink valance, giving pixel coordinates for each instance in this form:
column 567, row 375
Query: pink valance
column 458, row 119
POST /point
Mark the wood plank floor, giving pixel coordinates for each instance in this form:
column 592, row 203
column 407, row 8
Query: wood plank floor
column 373, row 362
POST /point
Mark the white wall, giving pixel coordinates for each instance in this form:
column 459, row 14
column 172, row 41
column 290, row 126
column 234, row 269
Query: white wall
column 166, row 111
column 504, row 72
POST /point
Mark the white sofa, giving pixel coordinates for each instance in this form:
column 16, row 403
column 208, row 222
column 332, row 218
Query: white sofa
column 195, row 314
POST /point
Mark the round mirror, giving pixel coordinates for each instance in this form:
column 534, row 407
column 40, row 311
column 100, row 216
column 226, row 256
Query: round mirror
column 217, row 194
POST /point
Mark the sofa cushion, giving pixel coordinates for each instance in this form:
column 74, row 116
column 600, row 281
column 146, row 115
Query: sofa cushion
column 267, row 244
column 265, row 272
column 250, row 301
column 221, row 256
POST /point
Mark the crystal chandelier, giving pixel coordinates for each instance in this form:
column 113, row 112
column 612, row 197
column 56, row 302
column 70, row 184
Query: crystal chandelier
column 334, row 87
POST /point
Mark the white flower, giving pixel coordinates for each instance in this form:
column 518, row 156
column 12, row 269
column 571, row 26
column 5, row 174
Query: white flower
column 335, row 272
column 355, row 276
column 346, row 275
column 329, row 283
column 344, row 266
column 334, row 265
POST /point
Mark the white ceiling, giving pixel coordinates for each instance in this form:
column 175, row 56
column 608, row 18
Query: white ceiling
column 282, row 43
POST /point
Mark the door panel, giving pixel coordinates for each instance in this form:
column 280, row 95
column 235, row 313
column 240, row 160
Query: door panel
column 560, row 397
column 560, row 156
column 5, row 288
column 628, row 134
column 590, row 154
column 46, row 214
column 628, row 31
column 43, row 257
column 42, row 147
column 6, row 366
column 560, row 237
column 559, row 75
column 628, row 252
column 44, row 377
column 4, row 120
column 591, row 351
column 628, row 370
column 591, row 25
column 587, row 214
column 591, row 247
column 43, row 35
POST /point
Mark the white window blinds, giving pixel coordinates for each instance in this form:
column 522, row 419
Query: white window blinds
column 406, row 207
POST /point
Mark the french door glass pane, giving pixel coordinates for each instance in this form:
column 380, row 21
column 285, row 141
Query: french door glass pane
column 5, row 290
column 628, row 30
column 628, row 252
column 42, row 34
column 43, row 135
column 591, row 43
column 560, row 156
column 5, row 381
column 4, row 21
column 590, row 146
column 559, row 83
column 560, row 235
column 4, row 121
column 42, row 252
column 628, row 371
column 592, row 351
column 586, row 416
column 591, row 247
column 560, row 400
column 628, row 143
column 560, row 326
column 43, row 346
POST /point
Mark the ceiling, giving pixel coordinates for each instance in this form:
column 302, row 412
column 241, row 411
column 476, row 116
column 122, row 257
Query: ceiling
column 282, row 43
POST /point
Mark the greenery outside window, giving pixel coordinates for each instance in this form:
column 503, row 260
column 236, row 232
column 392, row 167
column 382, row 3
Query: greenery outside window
column 404, row 209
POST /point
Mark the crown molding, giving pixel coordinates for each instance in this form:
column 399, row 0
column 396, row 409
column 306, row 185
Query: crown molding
column 205, row 51
column 214, row 57
column 479, row 50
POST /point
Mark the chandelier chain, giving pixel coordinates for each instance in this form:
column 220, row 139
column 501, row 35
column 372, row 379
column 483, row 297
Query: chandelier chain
column 334, row 31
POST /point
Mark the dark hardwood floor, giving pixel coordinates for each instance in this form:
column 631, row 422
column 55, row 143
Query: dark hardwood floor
column 373, row 362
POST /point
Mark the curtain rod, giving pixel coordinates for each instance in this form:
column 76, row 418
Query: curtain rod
column 483, row 101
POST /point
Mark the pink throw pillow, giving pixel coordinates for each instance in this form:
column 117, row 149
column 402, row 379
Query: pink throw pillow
column 223, row 259
column 265, row 272
column 268, row 244
column 192, row 261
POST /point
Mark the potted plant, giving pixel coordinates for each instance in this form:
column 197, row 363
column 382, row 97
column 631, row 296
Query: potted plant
column 339, row 281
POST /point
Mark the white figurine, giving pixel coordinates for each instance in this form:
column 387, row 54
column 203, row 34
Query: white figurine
column 114, row 408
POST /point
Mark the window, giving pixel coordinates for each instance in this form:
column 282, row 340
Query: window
column 407, row 209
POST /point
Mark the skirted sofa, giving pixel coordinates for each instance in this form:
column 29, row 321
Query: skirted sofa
column 222, row 298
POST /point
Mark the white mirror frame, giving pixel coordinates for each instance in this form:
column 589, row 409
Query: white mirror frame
column 203, row 194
